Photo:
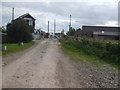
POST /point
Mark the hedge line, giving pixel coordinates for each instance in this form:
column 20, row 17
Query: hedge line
column 107, row 51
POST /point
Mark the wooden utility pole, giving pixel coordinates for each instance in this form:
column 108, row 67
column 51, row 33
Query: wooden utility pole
column 54, row 26
column 70, row 23
column 48, row 26
column 12, row 13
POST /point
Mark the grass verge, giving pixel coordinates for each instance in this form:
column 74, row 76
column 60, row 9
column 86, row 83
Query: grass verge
column 13, row 48
column 81, row 56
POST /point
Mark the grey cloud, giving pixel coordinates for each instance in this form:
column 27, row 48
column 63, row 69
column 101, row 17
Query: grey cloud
column 85, row 13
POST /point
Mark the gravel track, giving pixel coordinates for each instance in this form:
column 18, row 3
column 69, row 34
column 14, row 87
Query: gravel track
column 46, row 66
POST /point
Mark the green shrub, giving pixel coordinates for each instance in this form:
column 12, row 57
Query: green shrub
column 19, row 31
column 107, row 51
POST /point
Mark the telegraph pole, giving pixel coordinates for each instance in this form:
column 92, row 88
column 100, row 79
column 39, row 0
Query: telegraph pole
column 48, row 26
column 70, row 23
column 54, row 26
column 12, row 13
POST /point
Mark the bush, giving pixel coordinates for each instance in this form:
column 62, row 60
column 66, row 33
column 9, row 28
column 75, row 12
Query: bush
column 107, row 51
column 71, row 32
column 19, row 31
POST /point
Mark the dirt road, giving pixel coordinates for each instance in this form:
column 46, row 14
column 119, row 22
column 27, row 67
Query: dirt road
column 46, row 66
column 0, row 72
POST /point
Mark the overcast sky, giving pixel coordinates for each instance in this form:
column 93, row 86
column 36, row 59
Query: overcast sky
column 84, row 12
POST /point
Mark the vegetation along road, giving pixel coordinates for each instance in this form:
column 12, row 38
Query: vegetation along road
column 45, row 65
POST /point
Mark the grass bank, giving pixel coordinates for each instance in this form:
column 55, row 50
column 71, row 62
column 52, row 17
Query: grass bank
column 13, row 48
column 92, row 50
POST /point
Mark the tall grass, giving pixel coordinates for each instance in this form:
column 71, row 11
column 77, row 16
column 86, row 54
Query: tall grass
column 106, row 50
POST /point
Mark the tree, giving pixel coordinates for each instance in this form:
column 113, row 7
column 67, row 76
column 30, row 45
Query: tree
column 2, row 29
column 62, row 33
column 19, row 31
column 42, row 33
column 71, row 32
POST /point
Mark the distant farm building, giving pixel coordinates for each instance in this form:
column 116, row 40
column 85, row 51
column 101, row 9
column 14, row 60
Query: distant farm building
column 99, row 32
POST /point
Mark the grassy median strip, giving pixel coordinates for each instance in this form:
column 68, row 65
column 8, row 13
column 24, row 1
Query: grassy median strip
column 13, row 48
